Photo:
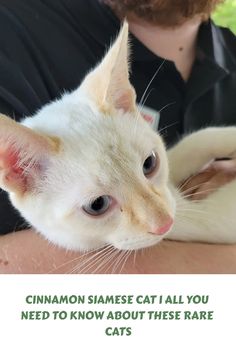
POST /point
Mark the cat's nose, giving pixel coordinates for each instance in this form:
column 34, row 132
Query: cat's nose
column 161, row 230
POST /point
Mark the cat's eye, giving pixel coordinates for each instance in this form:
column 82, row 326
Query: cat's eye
column 98, row 206
column 150, row 164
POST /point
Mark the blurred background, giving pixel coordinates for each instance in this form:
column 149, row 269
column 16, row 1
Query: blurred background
column 225, row 15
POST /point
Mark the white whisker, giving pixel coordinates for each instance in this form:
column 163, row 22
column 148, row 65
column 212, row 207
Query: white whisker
column 94, row 257
column 81, row 256
column 128, row 253
column 150, row 82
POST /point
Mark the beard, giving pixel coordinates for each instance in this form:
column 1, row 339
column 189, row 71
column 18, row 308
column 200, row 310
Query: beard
column 165, row 13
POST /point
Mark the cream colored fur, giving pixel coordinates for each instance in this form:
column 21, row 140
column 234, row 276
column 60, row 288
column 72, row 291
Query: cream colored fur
column 93, row 142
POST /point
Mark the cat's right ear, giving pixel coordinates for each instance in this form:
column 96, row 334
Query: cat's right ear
column 23, row 155
column 108, row 84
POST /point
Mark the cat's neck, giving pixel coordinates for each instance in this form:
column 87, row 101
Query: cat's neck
column 175, row 44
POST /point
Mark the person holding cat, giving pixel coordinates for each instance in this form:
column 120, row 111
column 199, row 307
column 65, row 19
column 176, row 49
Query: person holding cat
column 40, row 59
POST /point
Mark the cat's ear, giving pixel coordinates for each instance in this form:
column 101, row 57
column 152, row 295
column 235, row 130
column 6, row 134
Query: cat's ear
column 108, row 84
column 23, row 155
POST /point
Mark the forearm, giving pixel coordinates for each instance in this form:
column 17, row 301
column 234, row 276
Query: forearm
column 191, row 258
column 26, row 252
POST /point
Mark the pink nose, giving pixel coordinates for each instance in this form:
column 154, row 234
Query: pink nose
column 163, row 229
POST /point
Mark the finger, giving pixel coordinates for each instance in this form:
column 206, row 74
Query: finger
column 213, row 184
column 195, row 181
column 226, row 167
column 222, row 165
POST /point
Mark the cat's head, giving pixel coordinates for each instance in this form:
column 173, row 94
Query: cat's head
column 87, row 170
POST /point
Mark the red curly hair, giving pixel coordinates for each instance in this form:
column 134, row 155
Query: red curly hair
column 163, row 12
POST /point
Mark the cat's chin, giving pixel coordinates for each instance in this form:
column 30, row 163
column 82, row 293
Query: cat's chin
column 138, row 243
column 127, row 244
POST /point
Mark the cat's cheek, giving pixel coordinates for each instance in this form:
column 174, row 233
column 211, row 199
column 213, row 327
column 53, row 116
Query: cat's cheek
column 169, row 196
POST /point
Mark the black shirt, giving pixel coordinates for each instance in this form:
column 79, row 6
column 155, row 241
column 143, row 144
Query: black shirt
column 47, row 47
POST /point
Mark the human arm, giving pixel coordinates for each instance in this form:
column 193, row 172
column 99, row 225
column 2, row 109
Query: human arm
column 26, row 252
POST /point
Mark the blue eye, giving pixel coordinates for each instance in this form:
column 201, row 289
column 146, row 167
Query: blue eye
column 150, row 164
column 99, row 206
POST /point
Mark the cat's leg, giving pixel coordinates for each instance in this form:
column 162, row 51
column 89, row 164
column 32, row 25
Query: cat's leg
column 199, row 148
column 208, row 220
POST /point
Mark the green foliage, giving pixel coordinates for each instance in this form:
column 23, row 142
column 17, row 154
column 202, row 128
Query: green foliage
column 225, row 15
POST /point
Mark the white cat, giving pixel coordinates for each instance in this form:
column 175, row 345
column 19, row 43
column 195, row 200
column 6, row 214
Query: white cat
column 87, row 170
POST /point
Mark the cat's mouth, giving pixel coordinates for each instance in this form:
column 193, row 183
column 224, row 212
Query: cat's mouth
column 144, row 239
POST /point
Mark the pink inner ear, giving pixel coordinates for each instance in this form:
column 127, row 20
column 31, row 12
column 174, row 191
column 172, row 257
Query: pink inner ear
column 13, row 173
column 123, row 102
column 24, row 154
column 147, row 117
column 12, row 160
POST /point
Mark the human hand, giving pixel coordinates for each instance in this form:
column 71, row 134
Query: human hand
column 211, row 178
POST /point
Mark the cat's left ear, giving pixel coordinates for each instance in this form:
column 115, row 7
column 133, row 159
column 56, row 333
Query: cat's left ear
column 108, row 84
column 24, row 154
